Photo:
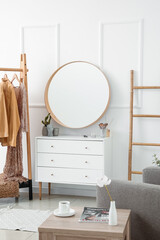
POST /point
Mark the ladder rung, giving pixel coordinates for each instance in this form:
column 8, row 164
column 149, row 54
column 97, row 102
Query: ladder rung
column 146, row 87
column 12, row 69
column 146, row 144
column 136, row 172
column 146, row 115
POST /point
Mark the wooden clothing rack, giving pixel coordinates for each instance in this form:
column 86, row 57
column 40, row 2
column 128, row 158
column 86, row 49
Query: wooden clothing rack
column 131, row 143
column 23, row 78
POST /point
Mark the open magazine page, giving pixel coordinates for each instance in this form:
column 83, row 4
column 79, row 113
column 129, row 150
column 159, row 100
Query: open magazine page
column 94, row 215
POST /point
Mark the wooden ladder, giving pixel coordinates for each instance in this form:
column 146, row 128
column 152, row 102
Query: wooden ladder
column 131, row 143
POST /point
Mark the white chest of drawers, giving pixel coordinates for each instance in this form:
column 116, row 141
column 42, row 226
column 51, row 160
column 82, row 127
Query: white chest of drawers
column 71, row 159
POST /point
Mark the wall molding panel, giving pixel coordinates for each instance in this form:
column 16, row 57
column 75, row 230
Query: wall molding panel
column 130, row 27
column 54, row 31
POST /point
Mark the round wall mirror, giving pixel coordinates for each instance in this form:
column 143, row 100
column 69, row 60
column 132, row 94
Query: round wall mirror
column 77, row 94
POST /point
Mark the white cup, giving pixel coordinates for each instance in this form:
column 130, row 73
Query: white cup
column 64, row 207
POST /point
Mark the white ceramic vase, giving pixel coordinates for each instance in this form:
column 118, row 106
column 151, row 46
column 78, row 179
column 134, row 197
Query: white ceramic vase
column 112, row 213
column 103, row 132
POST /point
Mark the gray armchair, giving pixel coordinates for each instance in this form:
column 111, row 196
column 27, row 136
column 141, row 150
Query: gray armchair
column 151, row 175
column 143, row 200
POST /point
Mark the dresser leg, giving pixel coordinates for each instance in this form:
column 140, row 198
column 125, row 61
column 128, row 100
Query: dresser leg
column 49, row 188
column 40, row 190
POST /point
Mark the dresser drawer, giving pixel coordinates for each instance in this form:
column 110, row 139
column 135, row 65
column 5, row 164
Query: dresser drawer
column 73, row 147
column 68, row 175
column 70, row 161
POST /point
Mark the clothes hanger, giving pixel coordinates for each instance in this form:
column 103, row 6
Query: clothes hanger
column 15, row 77
column 5, row 78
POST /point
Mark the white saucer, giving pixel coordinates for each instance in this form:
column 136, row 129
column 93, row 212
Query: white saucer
column 69, row 214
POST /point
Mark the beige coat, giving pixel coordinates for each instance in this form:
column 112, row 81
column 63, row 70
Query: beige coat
column 9, row 116
column 3, row 115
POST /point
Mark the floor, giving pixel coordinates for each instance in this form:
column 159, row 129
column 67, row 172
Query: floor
column 47, row 203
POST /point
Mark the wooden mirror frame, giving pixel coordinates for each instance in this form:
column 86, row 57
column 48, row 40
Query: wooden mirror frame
column 47, row 88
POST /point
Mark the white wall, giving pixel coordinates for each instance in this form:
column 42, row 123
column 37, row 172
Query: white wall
column 117, row 35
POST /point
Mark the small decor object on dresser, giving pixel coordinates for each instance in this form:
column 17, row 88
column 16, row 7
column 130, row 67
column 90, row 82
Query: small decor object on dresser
column 55, row 131
column 46, row 122
column 103, row 129
column 104, row 181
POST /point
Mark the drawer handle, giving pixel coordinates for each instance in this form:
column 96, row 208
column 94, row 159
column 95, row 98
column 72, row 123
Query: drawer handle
column 52, row 160
column 52, row 146
column 86, row 147
column 52, row 174
column 86, row 176
column 86, row 162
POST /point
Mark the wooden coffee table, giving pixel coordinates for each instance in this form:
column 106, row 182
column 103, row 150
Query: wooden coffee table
column 56, row 228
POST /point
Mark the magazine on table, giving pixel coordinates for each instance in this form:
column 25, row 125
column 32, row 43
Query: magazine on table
column 92, row 214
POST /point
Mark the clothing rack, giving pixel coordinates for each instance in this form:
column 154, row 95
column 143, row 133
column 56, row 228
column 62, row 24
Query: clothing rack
column 131, row 143
column 23, row 78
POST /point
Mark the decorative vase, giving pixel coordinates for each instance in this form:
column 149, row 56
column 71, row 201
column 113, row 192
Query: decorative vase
column 44, row 131
column 50, row 130
column 112, row 213
column 103, row 132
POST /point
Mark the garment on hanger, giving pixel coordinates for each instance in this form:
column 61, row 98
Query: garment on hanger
column 3, row 115
column 13, row 168
column 9, row 122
